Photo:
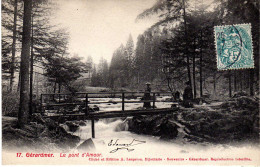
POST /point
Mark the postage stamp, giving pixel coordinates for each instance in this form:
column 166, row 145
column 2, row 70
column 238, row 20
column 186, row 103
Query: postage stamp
column 234, row 46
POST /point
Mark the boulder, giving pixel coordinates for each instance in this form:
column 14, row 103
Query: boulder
column 87, row 145
column 157, row 125
column 81, row 123
column 93, row 109
column 72, row 126
column 122, row 126
column 67, row 140
column 168, row 130
column 51, row 124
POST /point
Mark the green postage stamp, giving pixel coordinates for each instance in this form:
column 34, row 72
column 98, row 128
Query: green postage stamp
column 234, row 46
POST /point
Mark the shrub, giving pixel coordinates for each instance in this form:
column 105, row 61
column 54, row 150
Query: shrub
column 10, row 103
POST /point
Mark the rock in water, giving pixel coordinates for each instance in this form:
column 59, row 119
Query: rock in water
column 157, row 125
column 86, row 145
column 82, row 123
column 123, row 126
column 95, row 108
column 168, row 130
column 72, row 126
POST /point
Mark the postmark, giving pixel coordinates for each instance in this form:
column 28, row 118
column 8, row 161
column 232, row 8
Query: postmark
column 234, row 46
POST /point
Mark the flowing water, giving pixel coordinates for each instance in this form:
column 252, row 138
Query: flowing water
column 153, row 146
column 107, row 130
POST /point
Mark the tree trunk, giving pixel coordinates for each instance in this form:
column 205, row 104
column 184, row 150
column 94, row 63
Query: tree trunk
column 235, row 81
column 54, row 88
column 201, row 91
column 214, row 83
column 251, row 86
column 246, row 79
column 13, row 46
column 31, row 73
column 241, row 81
column 59, row 89
column 229, row 84
column 37, row 85
column 169, row 84
column 186, row 44
column 24, row 68
column 138, row 81
column 19, row 82
column 194, row 74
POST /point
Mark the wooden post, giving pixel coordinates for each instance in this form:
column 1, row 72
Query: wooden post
column 86, row 104
column 123, row 101
column 93, row 128
column 153, row 100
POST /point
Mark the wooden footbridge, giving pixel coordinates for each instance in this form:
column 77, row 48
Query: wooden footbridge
column 62, row 106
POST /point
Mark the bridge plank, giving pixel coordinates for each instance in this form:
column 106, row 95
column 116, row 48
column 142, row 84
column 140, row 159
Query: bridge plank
column 113, row 114
column 101, row 102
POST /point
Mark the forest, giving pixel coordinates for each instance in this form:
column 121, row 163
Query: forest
column 179, row 47
column 222, row 116
column 31, row 42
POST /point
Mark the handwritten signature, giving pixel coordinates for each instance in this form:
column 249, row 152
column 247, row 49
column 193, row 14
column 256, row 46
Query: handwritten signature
column 124, row 146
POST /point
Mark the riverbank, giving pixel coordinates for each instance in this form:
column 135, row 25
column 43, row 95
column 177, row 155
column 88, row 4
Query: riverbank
column 39, row 135
column 235, row 120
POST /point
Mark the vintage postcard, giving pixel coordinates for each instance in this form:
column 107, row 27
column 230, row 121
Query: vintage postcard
column 130, row 82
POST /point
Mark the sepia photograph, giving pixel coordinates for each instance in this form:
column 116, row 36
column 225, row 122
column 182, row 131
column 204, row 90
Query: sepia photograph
column 130, row 82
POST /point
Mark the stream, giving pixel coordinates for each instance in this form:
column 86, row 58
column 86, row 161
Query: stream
column 114, row 130
column 177, row 150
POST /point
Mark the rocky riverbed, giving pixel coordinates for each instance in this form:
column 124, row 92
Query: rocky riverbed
column 235, row 120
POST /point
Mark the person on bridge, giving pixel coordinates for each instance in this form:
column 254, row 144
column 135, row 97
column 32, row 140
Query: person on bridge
column 147, row 95
column 187, row 95
column 177, row 96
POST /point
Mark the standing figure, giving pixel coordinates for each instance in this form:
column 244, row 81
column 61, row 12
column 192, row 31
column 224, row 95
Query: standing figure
column 187, row 95
column 147, row 96
column 177, row 96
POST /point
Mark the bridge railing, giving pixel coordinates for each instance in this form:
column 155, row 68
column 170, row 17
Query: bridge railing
column 87, row 96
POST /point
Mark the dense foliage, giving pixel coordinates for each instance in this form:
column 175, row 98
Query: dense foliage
column 180, row 47
column 32, row 45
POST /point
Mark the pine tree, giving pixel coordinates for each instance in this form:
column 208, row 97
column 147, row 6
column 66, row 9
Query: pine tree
column 25, row 59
